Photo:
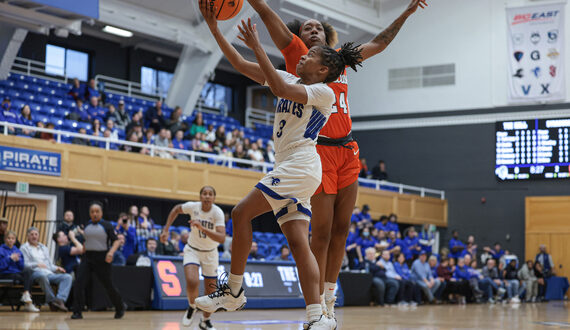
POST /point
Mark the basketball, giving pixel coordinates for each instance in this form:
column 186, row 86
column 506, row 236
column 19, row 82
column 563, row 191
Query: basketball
column 226, row 9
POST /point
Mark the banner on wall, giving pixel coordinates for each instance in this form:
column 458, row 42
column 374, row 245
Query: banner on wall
column 30, row 161
column 536, row 53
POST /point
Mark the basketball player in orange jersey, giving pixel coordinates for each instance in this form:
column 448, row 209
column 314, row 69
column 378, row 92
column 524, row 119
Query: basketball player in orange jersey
column 334, row 200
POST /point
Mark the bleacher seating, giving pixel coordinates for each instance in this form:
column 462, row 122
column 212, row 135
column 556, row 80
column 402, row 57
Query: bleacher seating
column 50, row 103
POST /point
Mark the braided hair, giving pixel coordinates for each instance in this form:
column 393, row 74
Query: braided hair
column 330, row 33
column 348, row 55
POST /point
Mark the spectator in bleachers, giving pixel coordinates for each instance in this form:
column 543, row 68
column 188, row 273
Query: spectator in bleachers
column 129, row 232
column 38, row 259
column 427, row 238
column 79, row 113
column 392, row 280
column 79, row 140
column 96, row 127
column 396, row 245
column 465, row 273
column 75, row 92
column 541, row 280
column 154, row 117
column 412, row 244
column 530, row 282
column 113, row 131
column 269, row 154
column 393, row 223
column 118, row 257
column 364, row 214
column 210, row 133
column 12, row 267
column 179, row 143
column 422, row 276
column 365, row 240
column 382, row 224
column 496, row 252
column 163, row 140
column 246, row 144
column 353, row 253
column 144, row 259
column 94, row 110
column 255, row 154
column 48, row 136
column 284, row 254
column 545, row 260
column 132, row 137
column 456, row 246
column 458, row 289
column 4, row 230
column 121, row 116
column 471, row 247
column 254, row 254
column 67, row 253
column 512, row 283
column 91, row 91
column 363, row 169
column 240, row 153
column 145, row 224
column 175, row 122
column 26, row 119
column 491, row 272
column 375, row 268
column 68, row 225
column 227, row 253
column 379, row 171
column 197, row 125
column 165, row 247
column 409, row 292
column 136, row 121
column 184, row 234
column 6, row 104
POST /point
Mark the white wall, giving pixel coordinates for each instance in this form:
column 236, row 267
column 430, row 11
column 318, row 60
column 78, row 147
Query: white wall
column 471, row 34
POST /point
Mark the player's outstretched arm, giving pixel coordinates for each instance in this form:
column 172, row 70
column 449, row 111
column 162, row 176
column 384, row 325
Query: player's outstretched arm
column 382, row 40
column 278, row 86
column 277, row 29
column 171, row 217
column 247, row 68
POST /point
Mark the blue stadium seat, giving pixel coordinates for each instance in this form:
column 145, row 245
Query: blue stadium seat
column 70, row 125
column 262, row 249
column 87, row 126
column 42, row 118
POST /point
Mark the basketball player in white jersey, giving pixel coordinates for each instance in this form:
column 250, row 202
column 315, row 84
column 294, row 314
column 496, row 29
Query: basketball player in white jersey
column 207, row 232
column 304, row 105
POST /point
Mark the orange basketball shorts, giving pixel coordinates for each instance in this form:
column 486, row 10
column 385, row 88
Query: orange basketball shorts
column 341, row 167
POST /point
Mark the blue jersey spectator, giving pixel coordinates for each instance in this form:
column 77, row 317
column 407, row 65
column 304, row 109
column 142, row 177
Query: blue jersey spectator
column 69, row 254
column 154, row 117
column 91, row 90
column 545, row 260
column 427, row 239
column 6, row 104
column 76, row 89
column 412, row 246
column 355, row 217
column 382, row 224
column 130, row 233
column 456, row 247
column 364, row 215
column 393, row 223
column 422, row 275
column 365, row 240
column 96, row 111
column 496, row 252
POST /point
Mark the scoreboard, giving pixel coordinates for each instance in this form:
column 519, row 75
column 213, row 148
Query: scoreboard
column 532, row 149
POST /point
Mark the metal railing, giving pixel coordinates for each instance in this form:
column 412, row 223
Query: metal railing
column 403, row 188
column 256, row 116
column 128, row 88
column 37, row 69
column 222, row 160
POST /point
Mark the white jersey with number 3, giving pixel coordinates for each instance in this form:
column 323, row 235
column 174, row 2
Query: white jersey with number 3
column 209, row 220
column 298, row 125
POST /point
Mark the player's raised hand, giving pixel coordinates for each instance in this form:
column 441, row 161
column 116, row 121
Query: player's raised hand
column 249, row 34
column 413, row 6
column 208, row 12
column 196, row 223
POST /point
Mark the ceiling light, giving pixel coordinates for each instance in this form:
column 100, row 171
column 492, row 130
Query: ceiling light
column 117, row 31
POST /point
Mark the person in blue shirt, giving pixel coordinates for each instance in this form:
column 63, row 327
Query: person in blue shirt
column 376, row 269
column 284, row 254
column 412, row 244
column 396, row 245
column 130, row 234
column 12, row 267
column 76, row 88
column 91, row 90
column 6, row 104
column 392, row 280
column 26, row 119
column 427, row 238
column 545, row 260
column 118, row 257
column 382, row 224
column 456, row 247
column 422, row 275
column 364, row 215
column 229, row 225
column 352, row 251
column 496, row 252
column 95, row 111
column 409, row 292
column 365, row 240
column 355, row 217
column 393, row 223
column 65, row 252
column 10, row 116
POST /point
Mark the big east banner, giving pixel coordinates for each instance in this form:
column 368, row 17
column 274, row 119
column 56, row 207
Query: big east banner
column 536, row 53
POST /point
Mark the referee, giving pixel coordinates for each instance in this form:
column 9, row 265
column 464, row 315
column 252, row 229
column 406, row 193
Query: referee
column 100, row 245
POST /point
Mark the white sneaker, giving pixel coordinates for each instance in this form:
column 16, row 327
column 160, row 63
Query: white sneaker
column 31, row 308
column 26, row 298
column 206, row 325
column 500, row 293
column 515, row 300
column 222, row 300
column 188, row 317
column 330, row 307
column 324, row 323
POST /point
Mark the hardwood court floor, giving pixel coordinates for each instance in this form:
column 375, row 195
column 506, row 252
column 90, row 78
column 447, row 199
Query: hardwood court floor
column 553, row 315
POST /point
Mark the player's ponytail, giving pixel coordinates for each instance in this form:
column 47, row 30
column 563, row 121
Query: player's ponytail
column 348, row 55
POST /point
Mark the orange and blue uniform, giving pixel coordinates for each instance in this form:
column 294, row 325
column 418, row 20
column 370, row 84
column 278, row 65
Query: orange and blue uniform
column 340, row 163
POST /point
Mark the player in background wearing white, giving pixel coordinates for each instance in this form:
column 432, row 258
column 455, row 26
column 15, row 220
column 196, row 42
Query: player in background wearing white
column 304, row 106
column 207, row 231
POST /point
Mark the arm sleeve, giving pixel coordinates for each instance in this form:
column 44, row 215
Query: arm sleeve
column 111, row 236
column 286, row 76
column 320, row 95
column 219, row 218
column 4, row 261
column 188, row 207
column 292, row 54
column 28, row 261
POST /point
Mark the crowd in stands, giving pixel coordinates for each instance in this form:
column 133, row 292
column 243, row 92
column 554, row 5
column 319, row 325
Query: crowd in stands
column 92, row 112
column 378, row 172
column 406, row 268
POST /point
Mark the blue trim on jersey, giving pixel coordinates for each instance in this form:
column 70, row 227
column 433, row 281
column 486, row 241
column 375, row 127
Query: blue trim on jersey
column 191, row 263
column 272, row 193
column 282, row 212
column 214, row 277
column 316, row 123
column 303, row 210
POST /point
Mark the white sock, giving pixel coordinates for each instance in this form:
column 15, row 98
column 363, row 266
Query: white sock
column 204, row 319
column 329, row 290
column 314, row 312
column 192, row 305
column 235, row 282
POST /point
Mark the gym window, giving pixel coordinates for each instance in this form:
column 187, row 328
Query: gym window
column 67, row 62
column 155, row 82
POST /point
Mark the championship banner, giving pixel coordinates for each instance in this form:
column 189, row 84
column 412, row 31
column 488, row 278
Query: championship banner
column 536, row 53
